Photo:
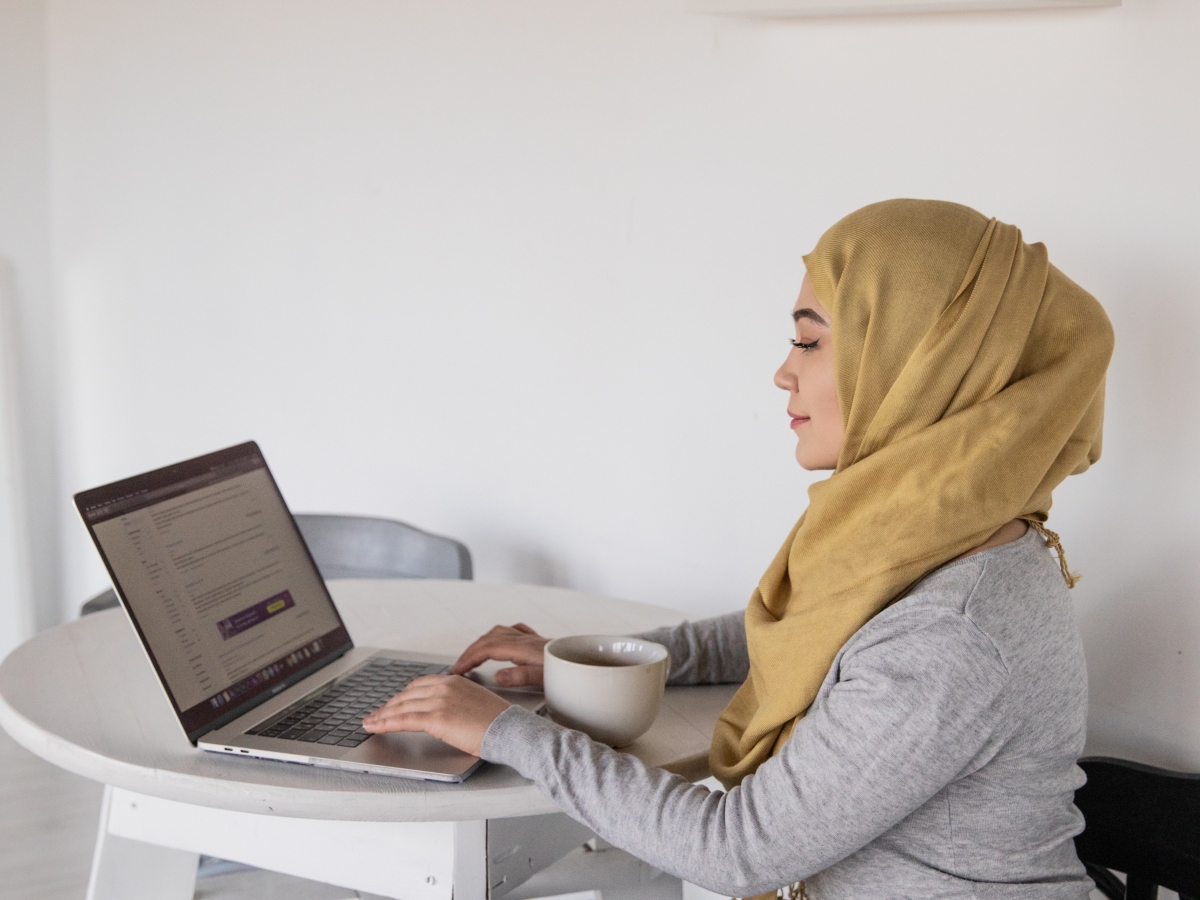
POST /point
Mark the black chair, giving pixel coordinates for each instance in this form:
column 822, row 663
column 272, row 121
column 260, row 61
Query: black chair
column 363, row 547
column 1144, row 822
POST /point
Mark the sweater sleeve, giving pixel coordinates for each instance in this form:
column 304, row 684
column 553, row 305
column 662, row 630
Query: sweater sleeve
column 912, row 710
column 710, row 651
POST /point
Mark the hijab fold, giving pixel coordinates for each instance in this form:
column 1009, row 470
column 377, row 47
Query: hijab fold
column 970, row 374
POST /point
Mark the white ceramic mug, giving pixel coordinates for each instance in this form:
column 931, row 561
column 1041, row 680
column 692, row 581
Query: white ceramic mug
column 607, row 687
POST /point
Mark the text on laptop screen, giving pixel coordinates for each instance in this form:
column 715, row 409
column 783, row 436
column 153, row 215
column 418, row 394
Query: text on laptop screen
column 219, row 583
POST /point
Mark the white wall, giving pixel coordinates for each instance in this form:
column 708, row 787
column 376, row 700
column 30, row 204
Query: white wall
column 16, row 606
column 29, row 589
column 520, row 272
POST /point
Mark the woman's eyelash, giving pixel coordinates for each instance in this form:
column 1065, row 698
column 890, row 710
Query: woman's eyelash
column 802, row 346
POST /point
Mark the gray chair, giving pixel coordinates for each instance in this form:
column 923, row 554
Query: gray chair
column 364, row 547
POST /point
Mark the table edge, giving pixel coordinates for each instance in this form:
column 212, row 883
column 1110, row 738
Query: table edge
column 291, row 802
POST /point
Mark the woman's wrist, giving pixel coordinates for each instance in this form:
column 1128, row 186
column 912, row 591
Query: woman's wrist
column 505, row 732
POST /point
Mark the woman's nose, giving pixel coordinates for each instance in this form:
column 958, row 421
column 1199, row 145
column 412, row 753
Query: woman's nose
column 785, row 379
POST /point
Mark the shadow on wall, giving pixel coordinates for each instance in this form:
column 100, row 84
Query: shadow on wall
column 499, row 559
column 1139, row 513
column 17, row 619
column 1160, row 396
column 1142, row 660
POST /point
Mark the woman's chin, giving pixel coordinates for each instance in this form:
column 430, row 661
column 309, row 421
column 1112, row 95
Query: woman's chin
column 812, row 462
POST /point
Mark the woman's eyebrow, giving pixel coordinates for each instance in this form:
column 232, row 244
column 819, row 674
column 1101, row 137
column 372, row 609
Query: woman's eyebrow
column 807, row 313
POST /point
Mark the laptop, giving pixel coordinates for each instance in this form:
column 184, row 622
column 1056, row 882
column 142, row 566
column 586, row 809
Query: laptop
column 240, row 628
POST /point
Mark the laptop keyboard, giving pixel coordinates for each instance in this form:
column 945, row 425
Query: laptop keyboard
column 334, row 716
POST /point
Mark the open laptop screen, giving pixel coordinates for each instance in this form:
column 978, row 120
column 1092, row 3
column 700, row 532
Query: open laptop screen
column 219, row 584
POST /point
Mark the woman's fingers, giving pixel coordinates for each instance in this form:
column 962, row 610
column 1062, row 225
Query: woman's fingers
column 474, row 656
column 424, row 686
column 405, row 707
column 520, row 676
column 519, row 644
column 404, row 718
column 448, row 707
column 477, row 651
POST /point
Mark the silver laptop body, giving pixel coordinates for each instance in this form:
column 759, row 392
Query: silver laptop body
column 239, row 626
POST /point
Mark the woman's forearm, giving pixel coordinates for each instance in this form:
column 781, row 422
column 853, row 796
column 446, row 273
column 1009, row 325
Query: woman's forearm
column 891, row 733
column 672, row 824
column 708, row 651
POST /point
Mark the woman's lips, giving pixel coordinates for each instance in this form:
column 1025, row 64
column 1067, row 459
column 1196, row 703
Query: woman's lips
column 798, row 420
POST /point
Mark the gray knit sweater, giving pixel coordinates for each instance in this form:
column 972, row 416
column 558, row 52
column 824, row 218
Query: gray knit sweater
column 938, row 760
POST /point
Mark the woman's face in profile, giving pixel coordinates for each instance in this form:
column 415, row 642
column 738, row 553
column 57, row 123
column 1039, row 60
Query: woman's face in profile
column 808, row 377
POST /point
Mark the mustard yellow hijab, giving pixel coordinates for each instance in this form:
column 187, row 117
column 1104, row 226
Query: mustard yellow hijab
column 970, row 374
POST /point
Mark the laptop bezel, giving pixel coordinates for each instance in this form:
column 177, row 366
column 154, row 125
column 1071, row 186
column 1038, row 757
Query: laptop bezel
column 125, row 492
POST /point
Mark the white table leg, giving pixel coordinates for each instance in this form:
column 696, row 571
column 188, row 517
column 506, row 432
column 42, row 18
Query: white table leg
column 470, row 860
column 125, row 869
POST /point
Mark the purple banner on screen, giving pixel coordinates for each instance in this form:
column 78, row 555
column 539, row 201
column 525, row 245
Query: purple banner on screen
column 253, row 615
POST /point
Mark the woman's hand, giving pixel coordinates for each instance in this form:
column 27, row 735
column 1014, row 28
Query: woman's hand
column 520, row 645
column 449, row 707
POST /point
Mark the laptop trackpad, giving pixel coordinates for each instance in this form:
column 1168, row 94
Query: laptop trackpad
column 411, row 750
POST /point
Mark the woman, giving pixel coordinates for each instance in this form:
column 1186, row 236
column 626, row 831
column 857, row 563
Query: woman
column 913, row 694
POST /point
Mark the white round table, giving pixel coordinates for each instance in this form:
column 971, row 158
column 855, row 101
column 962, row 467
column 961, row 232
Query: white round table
column 84, row 697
